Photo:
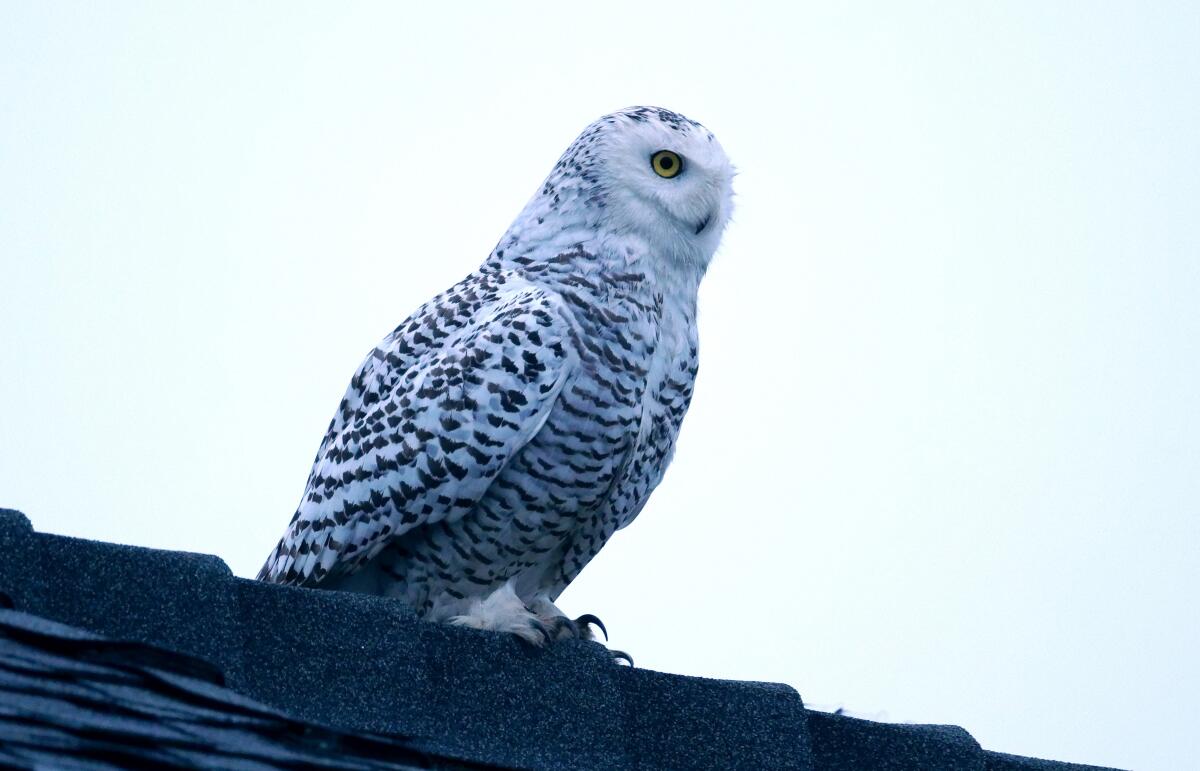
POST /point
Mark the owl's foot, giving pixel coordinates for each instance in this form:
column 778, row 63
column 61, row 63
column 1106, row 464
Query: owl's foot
column 538, row 623
column 503, row 611
column 563, row 628
column 581, row 628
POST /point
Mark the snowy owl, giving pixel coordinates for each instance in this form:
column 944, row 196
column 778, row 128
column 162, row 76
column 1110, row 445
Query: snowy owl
column 492, row 443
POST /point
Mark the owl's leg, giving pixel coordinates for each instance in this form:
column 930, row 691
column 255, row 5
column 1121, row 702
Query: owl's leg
column 503, row 611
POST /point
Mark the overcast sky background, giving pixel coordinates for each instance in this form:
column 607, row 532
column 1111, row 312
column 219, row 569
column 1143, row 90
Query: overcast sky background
column 943, row 462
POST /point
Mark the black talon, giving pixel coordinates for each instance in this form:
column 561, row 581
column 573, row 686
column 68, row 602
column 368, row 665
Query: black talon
column 621, row 656
column 587, row 619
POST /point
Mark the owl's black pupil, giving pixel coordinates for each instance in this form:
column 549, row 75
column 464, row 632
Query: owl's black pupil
column 666, row 162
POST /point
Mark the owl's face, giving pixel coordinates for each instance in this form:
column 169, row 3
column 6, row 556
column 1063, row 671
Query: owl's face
column 667, row 180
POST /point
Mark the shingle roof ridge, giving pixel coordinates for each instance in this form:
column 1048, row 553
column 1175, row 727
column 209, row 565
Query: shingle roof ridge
column 365, row 663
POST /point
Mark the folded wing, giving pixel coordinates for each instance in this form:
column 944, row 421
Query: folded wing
column 425, row 428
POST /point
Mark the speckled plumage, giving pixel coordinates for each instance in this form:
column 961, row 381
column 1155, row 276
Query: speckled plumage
column 490, row 445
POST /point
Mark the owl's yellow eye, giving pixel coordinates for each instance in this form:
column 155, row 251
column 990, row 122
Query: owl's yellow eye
column 666, row 164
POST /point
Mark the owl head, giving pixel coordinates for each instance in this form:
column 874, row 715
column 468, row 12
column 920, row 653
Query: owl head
column 650, row 174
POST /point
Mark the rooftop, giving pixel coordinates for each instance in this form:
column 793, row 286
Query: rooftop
column 347, row 681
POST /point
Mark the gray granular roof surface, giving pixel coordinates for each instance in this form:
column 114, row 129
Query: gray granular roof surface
column 264, row 676
column 70, row 698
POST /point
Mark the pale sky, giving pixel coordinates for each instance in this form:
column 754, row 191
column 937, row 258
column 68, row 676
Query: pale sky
column 943, row 462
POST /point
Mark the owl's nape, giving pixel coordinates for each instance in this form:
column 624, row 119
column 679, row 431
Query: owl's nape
column 489, row 447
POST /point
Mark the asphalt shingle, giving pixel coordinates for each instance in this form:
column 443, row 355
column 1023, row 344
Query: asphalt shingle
column 72, row 699
column 360, row 665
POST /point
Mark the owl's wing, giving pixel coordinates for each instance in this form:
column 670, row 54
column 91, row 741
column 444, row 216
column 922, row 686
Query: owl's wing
column 422, row 436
